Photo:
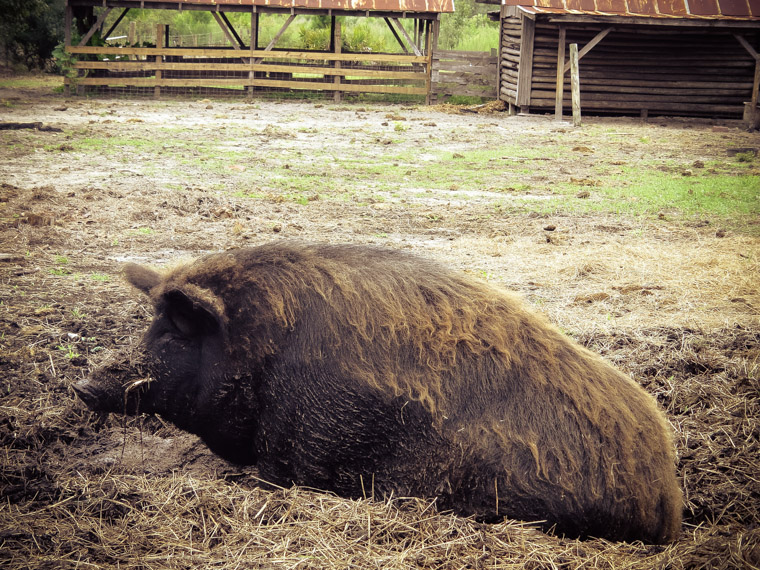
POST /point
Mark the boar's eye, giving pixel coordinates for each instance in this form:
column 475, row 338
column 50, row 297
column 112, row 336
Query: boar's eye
column 188, row 318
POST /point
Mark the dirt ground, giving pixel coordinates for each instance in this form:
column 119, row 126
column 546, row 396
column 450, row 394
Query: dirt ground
column 674, row 302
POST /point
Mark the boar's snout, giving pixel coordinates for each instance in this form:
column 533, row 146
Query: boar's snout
column 93, row 395
column 116, row 384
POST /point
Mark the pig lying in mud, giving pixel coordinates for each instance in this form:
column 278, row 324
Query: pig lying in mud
column 350, row 368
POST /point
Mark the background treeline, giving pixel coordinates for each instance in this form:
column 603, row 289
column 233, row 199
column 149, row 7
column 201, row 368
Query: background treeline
column 30, row 30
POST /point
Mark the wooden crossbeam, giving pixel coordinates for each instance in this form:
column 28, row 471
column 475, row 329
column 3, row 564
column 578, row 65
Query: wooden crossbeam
column 228, row 29
column 416, row 50
column 116, row 23
column 95, row 26
column 589, row 46
column 282, row 31
column 395, row 35
column 278, row 35
column 746, row 45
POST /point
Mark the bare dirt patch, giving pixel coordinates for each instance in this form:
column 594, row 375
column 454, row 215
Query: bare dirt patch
column 673, row 302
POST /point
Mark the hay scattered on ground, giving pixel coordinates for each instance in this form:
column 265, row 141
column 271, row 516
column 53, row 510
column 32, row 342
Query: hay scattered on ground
column 489, row 108
column 59, row 510
column 133, row 521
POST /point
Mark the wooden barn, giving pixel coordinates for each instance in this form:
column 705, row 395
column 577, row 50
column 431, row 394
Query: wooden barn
column 675, row 57
column 245, row 65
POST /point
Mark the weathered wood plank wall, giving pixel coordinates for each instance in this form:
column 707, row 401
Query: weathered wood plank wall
column 511, row 38
column 471, row 73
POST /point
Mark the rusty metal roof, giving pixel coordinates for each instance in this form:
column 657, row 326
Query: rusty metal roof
column 700, row 9
column 348, row 5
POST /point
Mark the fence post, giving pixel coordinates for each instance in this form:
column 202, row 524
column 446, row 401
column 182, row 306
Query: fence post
column 560, row 88
column 338, row 49
column 68, row 20
column 131, row 33
column 575, row 85
column 160, row 31
column 433, row 28
column 252, row 73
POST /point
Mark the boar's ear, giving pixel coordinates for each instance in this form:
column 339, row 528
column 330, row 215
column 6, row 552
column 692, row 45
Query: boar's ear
column 189, row 317
column 141, row 277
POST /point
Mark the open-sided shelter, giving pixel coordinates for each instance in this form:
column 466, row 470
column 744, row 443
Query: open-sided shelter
column 252, row 66
column 681, row 57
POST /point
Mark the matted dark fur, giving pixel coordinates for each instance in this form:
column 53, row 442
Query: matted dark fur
column 355, row 369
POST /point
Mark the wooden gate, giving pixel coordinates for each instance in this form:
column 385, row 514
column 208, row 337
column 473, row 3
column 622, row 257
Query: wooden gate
column 471, row 73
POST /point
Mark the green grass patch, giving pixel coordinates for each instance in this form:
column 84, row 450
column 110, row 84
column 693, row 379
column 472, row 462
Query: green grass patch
column 251, row 194
column 60, row 271
column 724, row 196
column 734, row 199
column 42, row 81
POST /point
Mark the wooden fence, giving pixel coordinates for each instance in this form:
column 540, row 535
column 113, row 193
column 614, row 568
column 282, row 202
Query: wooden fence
column 471, row 73
column 159, row 67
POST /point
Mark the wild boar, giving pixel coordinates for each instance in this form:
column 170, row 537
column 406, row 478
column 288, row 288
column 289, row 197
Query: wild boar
column 346, row 368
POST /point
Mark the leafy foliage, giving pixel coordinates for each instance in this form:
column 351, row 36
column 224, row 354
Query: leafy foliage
column 30, row 30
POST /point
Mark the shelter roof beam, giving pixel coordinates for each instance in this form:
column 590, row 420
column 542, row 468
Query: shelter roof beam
column 427, row 14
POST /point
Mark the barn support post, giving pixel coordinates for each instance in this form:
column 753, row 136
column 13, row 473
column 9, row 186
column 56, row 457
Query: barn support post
column 160, row 32
column 254, row 29
column 277, row 36
column 254, row 36
column 68, row 19
column 525, row 71
column 560, row 93
column 575, row 85
column 751, row 112
column 337, row 49
column 431, row 43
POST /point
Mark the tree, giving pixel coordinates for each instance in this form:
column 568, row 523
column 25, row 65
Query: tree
column 30, row 30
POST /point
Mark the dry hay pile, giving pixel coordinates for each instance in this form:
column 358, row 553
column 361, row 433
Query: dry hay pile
column 60, row 510
column 490, row 108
